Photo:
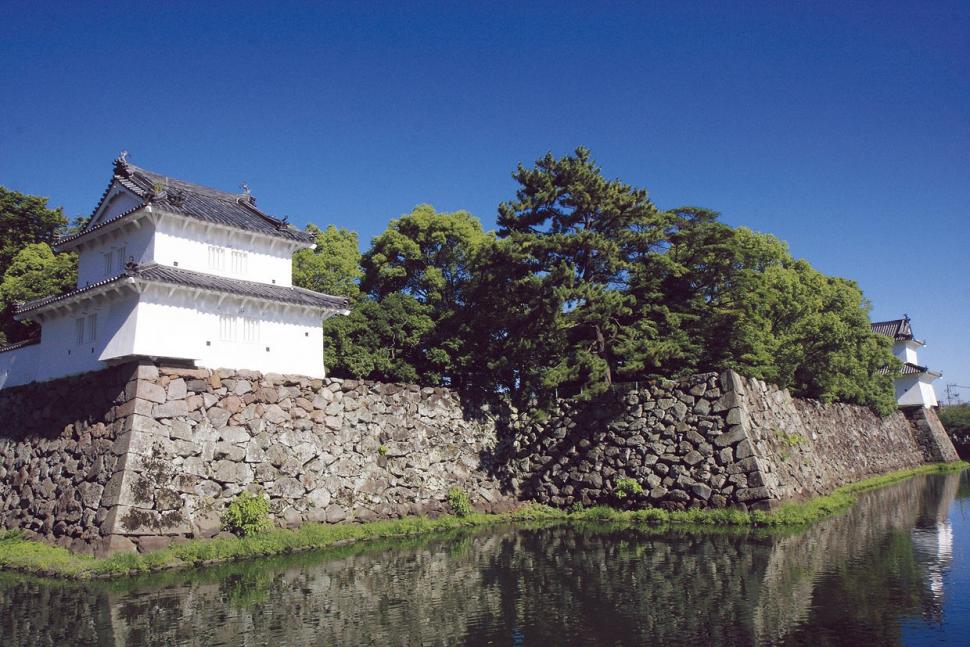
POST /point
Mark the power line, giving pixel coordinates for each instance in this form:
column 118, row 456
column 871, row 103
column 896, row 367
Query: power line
column 951, row 396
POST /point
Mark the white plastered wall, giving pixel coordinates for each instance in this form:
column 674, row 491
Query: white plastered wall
column 187, row 325
column 915, row 390
column 59, row 354
column 19, row 366
column 905, row 351
column 186, row 242
column 134, row 238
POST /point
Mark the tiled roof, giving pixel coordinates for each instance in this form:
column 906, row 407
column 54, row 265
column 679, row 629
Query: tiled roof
column 908, row 369
column 20, row 344
column 913, row 369
column 194, row 201
column 898, row 329
column 155, row 273
column 299, row 296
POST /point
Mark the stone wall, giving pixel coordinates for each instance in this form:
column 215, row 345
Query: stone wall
column 155, row 453
column 138, row 455
column 711, row 441
column 58, row 451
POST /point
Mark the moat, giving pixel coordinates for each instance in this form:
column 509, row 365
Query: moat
column 893, row 570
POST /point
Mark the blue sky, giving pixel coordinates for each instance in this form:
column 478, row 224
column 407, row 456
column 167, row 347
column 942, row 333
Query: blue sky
column 843, row 128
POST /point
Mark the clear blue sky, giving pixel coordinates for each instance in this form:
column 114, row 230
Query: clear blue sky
column 843, row 128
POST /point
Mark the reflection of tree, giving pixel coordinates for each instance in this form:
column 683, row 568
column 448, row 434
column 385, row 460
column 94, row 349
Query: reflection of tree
column 851, row 579
column 862, row 601
column 871, row 574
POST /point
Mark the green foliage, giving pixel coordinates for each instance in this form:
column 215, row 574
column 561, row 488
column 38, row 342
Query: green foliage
column 956, row 419
column 382, row 450
column 627, row 488
column 570, row 241
column 430, row 257
column 589, row 283
column 333, row 266
column 461, row 505
column 380, row 340
column 34, row 272
column 408, row 325
column 25, row 219
column 792, row 440
column 733, row 298
column 247, row 515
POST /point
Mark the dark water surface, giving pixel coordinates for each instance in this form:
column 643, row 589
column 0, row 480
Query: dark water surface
column 893, row 570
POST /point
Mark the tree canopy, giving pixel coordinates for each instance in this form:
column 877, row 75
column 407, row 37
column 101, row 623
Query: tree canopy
column 34, row 272
column 585, row 283
column 25, row 219
column 28, row 267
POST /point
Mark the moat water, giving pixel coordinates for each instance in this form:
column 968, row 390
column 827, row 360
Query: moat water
column 893, row 570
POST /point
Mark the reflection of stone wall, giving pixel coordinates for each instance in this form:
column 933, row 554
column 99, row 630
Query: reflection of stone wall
column 798, row 559
column 547, row 585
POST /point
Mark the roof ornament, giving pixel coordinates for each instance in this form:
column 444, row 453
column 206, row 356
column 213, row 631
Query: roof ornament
column 247, row 195
column 175, row 197
column 121, row 164
column 905, row 317
column 131, row 267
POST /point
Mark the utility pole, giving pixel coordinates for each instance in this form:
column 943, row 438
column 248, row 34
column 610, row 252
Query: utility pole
column 952, row 397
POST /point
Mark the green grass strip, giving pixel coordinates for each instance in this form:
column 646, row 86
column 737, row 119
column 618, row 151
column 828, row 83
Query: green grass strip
column 27, row 556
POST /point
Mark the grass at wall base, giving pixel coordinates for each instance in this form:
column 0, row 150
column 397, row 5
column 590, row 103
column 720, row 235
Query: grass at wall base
column 28, row 556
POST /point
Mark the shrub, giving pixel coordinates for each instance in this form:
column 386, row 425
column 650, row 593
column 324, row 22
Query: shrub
column 627, row 487
column 461, row 505
column 247, row 515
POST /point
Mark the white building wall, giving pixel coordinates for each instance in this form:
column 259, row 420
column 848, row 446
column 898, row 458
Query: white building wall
column 121, row 245
column 905, row 351
column 119, row 200
column 60, row 353
column 915, row 390
column 187, row 243
column 19, row 366
column 182, row 326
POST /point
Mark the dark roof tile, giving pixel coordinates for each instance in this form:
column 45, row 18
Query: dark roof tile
column 155, row 273
column 20, row 344
column 898, row 329
column 194, row 201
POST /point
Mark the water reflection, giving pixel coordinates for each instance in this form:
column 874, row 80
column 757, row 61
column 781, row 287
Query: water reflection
column 849, row 580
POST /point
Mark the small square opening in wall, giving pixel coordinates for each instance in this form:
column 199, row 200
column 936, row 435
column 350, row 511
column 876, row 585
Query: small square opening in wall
column 208, row 343
column 175, row 263
column 274, row 281
column 306, row 334
column 267, row 349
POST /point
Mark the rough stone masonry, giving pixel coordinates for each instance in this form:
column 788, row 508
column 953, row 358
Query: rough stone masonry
column 140, row 455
